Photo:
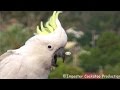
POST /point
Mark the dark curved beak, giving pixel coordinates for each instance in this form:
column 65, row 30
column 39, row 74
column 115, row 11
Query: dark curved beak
column 58, row 53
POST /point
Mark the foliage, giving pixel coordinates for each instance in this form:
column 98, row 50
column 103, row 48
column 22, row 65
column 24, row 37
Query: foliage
column 85, row 40
column 64, row 68
column 112, row 70
column 107, row 52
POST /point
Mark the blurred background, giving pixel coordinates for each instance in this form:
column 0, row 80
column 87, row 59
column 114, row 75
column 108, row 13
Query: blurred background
column 93, row 39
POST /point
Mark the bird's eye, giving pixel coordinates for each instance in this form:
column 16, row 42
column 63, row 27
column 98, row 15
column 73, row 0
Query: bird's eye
column 49, row 46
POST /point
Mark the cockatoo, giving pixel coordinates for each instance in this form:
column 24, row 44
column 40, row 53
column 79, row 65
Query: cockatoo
column 34, row 59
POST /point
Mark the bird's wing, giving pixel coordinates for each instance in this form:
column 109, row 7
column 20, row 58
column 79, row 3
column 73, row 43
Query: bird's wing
column 8, row 53
column 10, row 64
column 13, row 65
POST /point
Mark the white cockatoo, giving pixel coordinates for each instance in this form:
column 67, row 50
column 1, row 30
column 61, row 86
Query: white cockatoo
column 34, row 59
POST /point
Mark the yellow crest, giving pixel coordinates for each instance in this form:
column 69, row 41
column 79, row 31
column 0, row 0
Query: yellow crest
column 50, row 25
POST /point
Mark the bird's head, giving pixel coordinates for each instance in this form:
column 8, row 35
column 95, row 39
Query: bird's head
column 52, row 31
column 52, row 36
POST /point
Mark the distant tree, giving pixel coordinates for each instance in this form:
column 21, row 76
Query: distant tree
column 106, row 52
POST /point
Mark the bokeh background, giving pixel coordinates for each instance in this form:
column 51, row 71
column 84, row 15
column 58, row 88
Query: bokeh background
column 93, row 39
